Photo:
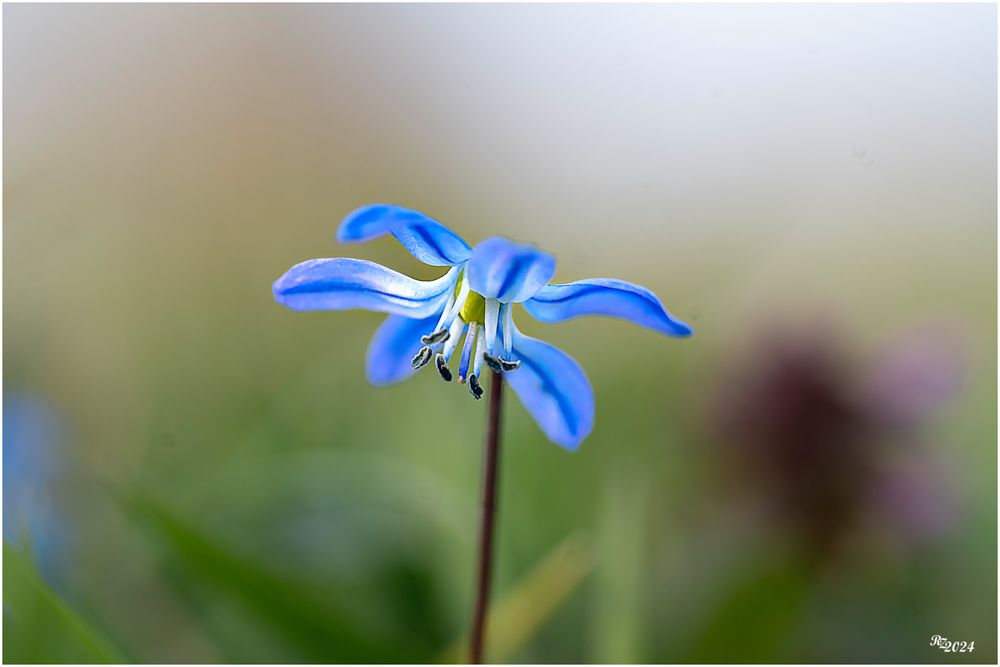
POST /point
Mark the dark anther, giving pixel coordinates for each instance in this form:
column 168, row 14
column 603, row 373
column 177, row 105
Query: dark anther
column 443, row 369
column 474, row 388
column 492, row 362
column 421, row 357
column 508, row 365
column 439, row 336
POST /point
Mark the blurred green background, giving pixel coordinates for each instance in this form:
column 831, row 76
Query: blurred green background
column 195, row 474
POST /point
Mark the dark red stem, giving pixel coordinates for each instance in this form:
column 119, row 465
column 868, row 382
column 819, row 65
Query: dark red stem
column 491, row 452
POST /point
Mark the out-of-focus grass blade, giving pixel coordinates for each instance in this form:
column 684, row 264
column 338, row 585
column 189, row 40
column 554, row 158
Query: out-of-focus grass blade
column 515, row 618
column 616, row 631
column 313, row 626
column 39, row 627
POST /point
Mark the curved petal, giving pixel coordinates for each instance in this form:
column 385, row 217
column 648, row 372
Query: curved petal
column 394, row 344
column 342, row 283
column 507, row 271
column 604, row 296
column 554, row 389
column 426, row 239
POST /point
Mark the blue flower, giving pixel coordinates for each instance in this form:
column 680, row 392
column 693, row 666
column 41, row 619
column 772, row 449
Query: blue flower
column 35, row 470
column 476, row 296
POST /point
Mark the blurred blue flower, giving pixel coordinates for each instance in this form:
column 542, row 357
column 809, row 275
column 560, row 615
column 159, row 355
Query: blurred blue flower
column 475, row 297
column 33, row 471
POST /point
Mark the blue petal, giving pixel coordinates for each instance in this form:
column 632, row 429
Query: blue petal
column 508, row 271
column 342, row 283
column 554, row 389
column 393, row 346
column 427, row 239
column 604, row 296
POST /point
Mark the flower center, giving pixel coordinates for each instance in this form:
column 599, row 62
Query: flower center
column 474, row 309
column 469, row 310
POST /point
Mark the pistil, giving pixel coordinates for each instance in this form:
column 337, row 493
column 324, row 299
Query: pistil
column 470, row 338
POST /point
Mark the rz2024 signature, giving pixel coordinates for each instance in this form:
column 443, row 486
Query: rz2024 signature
column 952, row 647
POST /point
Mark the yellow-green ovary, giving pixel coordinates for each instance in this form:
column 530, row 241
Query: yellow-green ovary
column 474, row 309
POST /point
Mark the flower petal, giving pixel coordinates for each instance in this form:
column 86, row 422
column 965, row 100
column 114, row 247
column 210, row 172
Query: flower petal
column 426, row 239
column 604, row 296
column 554, row 389
column 507, row 271
column 342, row 283
column 393, row 346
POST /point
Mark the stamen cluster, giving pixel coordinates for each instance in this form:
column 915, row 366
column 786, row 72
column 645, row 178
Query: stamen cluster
column 469, row 312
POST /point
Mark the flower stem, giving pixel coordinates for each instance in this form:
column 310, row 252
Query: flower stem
column 491, row 451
